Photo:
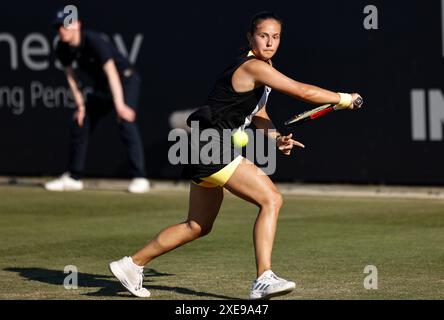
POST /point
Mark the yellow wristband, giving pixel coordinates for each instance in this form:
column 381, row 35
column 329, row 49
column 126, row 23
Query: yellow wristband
column 346, row 100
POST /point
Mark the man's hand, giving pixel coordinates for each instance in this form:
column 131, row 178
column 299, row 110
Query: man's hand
column 126, row 113
column 286, row 144
column 79, row 116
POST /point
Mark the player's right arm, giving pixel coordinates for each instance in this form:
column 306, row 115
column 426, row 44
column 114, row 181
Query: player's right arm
column 78, row 97
column 262, row 73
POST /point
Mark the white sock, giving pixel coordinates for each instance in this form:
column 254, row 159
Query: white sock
column 137, row 267
column 263, row 274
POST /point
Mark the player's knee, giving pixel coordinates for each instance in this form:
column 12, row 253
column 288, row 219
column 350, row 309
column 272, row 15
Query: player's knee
column 196, row 230
column 273, row 201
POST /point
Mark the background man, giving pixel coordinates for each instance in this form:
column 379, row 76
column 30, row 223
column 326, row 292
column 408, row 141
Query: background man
column 116, row 87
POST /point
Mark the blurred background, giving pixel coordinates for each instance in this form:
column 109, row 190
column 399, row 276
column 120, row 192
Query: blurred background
column 180, row 49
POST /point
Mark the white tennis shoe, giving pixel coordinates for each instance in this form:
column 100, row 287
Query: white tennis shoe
column 130, row 276
column 64, row 183
column 139, row 185
column 269, row 285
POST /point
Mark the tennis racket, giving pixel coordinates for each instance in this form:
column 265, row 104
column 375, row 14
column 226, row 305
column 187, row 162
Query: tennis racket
column 318, row 112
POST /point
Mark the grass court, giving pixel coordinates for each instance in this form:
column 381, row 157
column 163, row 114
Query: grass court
column 323, row 244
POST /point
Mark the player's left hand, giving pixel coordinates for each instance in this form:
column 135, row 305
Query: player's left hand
column 286, row 144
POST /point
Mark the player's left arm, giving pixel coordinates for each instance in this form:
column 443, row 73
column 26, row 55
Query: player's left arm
column 124, row 112
column 263, row 122
column 261, row 72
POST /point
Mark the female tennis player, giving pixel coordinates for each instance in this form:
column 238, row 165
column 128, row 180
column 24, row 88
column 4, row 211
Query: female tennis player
column 238, row 98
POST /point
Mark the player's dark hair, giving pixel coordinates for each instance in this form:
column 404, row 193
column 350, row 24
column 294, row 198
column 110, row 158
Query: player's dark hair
column 261, row 16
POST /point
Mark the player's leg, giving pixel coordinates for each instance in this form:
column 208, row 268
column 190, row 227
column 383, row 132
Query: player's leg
column 252, row 184
column 204, row 205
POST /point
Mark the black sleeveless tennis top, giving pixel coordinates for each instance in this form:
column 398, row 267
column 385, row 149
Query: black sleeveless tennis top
column 228, row 109
column 225, row 109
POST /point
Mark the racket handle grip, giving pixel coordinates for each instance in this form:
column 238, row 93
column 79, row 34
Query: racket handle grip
column 357, row 104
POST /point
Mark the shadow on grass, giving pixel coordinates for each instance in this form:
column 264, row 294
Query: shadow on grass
column 108, row 286
column 13, row 182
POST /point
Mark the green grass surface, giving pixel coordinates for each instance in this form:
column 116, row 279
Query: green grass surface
column 322, row 243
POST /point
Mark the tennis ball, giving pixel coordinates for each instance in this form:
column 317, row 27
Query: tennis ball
column 240, row 138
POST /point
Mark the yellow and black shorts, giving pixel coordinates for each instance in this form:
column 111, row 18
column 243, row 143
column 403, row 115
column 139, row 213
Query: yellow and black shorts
column 221, row 177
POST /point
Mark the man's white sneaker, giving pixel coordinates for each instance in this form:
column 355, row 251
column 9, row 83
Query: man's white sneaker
column 64, row 183
column 130, row 276
column 139, row 185
column 269, row 285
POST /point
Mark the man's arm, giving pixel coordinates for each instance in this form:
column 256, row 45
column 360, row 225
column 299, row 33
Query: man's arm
column 124, row 112
column 78, row 97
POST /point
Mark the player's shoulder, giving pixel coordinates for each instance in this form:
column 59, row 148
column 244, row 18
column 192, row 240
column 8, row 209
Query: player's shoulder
column 256, row 65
